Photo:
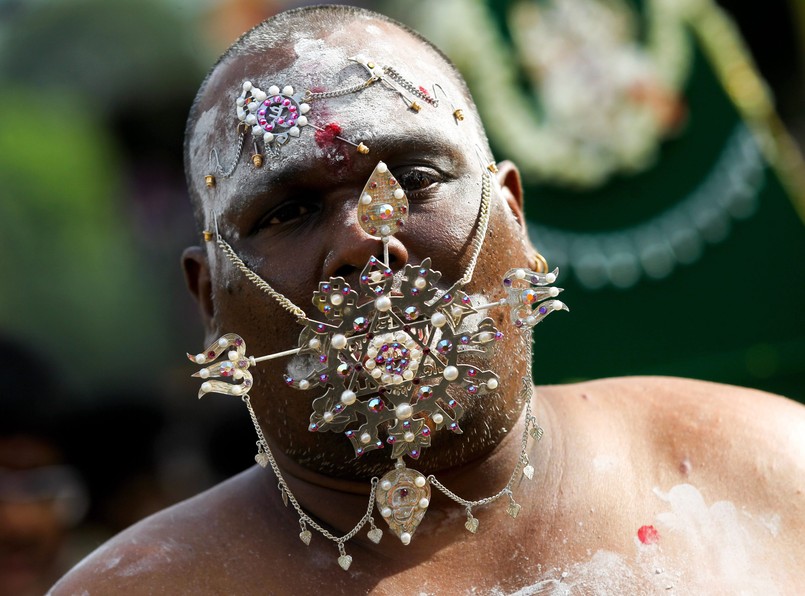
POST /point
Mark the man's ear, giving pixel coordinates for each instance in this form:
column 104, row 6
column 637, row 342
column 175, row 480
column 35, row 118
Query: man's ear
column 196, row 269
column 511, row 189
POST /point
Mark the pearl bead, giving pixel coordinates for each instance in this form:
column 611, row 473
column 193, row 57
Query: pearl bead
column 301, row 121
column 206, row 387
column 519, row 274
column 485, row 336
column 558, row 305
column 385, row 485
column 404, row 411
column 223, row 342
column 348, row 397
column 233, row 355
column 376, row 276
column 385, row 379
column 423, row 503
column 314, row 343
column 385, row 230
column 287, row 90
column 328, row 416
column 450, row 373
column 304, row 108
column 339, row 341
column 366, row 199
column 204, row 373
column 438, row 418
column 396, row 379
column 268, row 137
column 398, row 194
column 385, row 512
column 337, row 299
column 200, row 358
column 531, row 320
column 492, row 383
column 408, row 375
column 251, row 119
column 240, row 101
column 382, row 167
column 273, row 90
column 377, row 373
column 260, row 95
column 371, row 351
column 365, row 438
column 455, row 311
column 370, row 364
column 550, row 278
column 405, row 538
column 247, row 85
column 420, row 481
column 383, row 304
column 237, row 389
column 256, row 130
column 438, row 319
column 294, row 131
column 420, row 283
column 553, row 291
column 408, row 437
column 304, row 384
column 238, row 374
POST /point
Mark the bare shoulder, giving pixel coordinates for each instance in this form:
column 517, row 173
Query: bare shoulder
column 181, row 549
column 691, row 422
column 701, row 480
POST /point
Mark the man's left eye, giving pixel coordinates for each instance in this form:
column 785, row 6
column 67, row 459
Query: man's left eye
column 417, row 179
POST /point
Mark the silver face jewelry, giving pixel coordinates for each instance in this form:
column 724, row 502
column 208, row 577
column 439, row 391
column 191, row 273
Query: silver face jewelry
column 384, row 362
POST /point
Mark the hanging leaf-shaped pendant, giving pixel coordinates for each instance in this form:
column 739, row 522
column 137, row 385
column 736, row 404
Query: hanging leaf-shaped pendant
column 403, row 496
column 383, row 206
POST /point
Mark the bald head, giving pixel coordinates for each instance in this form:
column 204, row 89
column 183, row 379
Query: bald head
column 310, row 48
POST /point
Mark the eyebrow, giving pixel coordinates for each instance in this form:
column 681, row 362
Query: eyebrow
column 388, row 147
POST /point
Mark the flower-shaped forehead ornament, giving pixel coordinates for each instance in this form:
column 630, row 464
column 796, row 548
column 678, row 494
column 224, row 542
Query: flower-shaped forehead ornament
column 387, row 361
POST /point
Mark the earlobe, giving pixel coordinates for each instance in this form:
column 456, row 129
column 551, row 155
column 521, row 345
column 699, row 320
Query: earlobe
column 196, row 269
column 511, row 189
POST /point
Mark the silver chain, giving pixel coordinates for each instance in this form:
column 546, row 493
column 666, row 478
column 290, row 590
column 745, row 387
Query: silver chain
column 409, row 86
column 219, row 168
column 259, row 281
column 483, row 224
column 310, row 96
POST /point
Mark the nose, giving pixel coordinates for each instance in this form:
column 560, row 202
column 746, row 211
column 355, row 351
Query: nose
column 351, row 247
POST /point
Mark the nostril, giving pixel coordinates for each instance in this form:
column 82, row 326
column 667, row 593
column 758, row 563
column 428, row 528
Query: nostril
column 346, row 271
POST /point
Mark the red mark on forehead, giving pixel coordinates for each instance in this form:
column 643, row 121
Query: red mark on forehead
column 648, row 535
column 326, row 136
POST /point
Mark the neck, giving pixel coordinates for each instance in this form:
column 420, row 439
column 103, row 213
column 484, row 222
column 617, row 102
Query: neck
column 337, row 504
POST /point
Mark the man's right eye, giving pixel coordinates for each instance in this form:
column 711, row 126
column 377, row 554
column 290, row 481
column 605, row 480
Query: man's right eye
column 284, row 214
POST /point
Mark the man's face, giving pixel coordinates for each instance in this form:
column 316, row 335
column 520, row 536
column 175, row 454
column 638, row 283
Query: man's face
column 294, row 221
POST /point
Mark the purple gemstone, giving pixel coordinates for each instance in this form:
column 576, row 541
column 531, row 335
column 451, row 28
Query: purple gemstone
column 507, row 282
column 543, row 310
column 324, row 377
column 472, row 372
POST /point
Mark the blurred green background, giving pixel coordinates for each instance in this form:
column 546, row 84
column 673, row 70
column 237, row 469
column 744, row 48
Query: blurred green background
column 682, row 258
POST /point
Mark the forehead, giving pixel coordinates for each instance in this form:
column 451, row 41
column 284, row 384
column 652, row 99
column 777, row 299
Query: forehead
column 377, row 116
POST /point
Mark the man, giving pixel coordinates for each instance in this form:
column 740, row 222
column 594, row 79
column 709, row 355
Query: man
column 639, row 485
